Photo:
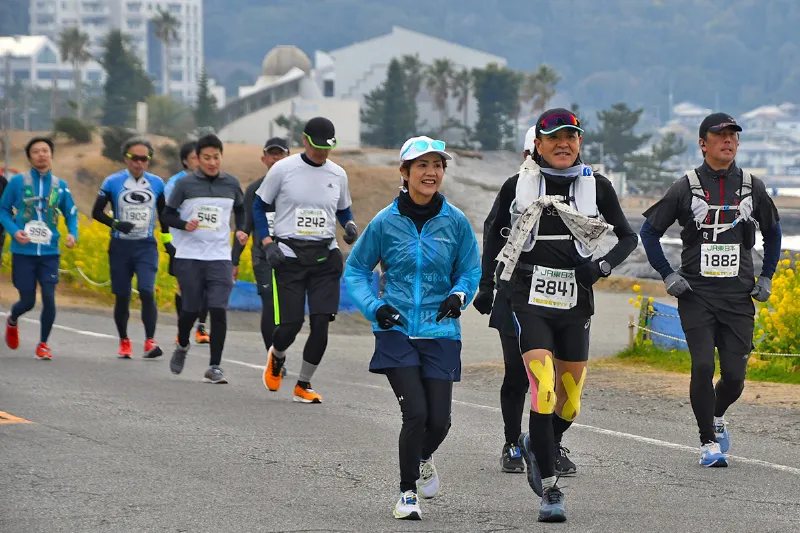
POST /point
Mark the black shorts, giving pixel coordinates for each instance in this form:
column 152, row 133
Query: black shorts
column 726, row 323
column 320, row 282
column 263, row 274
column 566, row 338
column 502, row 318
column 209, row 282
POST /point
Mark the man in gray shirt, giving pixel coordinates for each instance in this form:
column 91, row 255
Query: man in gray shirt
column 309, row 194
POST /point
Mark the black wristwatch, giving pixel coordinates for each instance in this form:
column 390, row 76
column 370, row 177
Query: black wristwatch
column 605, row 267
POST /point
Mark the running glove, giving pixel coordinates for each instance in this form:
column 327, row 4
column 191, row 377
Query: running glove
column 388, row 317
column 450, row 308
column 587, row 274
column 762, row 290
column 350, row 232
column 676, row 284
column 483, row 301
column 274, row 255
column 123, row 227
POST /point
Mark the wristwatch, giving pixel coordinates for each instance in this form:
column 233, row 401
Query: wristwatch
column 605, row 267
column 462, row 297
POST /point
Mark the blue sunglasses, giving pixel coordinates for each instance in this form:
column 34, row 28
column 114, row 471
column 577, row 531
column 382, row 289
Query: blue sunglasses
column 423, row 145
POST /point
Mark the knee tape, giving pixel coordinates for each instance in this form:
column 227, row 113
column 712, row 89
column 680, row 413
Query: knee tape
column 543, row 394
column 572, row 404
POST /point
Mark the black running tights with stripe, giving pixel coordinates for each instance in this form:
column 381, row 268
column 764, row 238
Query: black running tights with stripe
column 425, row 404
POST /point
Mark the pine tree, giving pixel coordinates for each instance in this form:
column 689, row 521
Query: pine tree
column 388, row 111
column 497, row 92
column 205, row 113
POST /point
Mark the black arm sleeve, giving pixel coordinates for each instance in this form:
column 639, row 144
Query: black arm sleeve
column 609, row 207
column 171, row 218
column 239, row 216
column 249, row 198
column 493, row 240
column 99, row 210
column 161, row 202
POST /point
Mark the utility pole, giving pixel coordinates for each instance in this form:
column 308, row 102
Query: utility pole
column 7, row 121
column 26, row 107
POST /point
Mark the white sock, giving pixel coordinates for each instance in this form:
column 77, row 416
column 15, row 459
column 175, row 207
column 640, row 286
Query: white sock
column 719, row 420
column 278, row 354
column 549, row 482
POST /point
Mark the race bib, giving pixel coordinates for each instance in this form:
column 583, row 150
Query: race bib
column 38, row 232
column 271, row 222
column 310, row 222
column 139, row 216
column 210, row 217
column 719, row 260
column 552, row 287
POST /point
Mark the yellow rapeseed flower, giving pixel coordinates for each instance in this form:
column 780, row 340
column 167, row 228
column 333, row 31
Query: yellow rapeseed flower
column 651, row 299
column 638, row 297
column 630, row 301
column 637, row 305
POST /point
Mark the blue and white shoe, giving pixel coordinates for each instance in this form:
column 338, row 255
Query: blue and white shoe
column 532, row 470
column 428, row 482
column 407, row 507
column 711, row 455
column 721, row 433
column 552, row 507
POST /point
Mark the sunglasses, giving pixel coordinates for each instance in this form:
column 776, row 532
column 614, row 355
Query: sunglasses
column 139, row 158
column 557, row 121
column 422, row 145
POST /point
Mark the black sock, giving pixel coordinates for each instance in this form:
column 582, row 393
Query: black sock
column 559, row 427
column 542, row 443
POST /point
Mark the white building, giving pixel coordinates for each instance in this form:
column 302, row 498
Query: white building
column 132, row 17
column 35, row 61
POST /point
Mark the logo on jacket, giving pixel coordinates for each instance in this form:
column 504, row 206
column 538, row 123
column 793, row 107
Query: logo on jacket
column 137, row 197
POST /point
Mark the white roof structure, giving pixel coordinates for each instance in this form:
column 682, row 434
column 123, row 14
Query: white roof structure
column 688, row 109
column 765, row 111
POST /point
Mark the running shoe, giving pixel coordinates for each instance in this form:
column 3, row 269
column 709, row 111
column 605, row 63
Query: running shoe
column 511, row 459
column 12, row 335
column 178, row 359
column 305, row 394
column 711, row 455
column 151, row 349
column 272, row 372
column 43, row 352
column 721, row 433
column 125, row 349
column 532, row 469
column 552, row 506
column 564, row 466
column 201, row 336
column 428, row 482
column 214, row 375
column 407, row 507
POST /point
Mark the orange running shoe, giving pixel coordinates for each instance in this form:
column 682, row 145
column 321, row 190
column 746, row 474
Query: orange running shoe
column 43, row 351
column 151, row 349
column 272, row 372
column 12, row 335
column 305, row 394
column 125, row 349
column 201, row 336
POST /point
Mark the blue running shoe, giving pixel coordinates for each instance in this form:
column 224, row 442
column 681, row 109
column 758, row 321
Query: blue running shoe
column 721, row 433
column 711, row 455
column 552, row 507
column 532, row 470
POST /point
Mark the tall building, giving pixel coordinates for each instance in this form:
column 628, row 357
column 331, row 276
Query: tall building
column 133, row 17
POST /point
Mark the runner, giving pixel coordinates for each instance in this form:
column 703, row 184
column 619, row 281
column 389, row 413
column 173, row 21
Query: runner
column 549, row 252
column 419, row 237
column 189, row 163
column 275, row 149
column 206, row 197
column 309, row 193
column 718, row 206
column 30, row 208
column 136, row 197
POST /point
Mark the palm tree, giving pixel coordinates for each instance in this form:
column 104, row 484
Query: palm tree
column 165, row 27
column 438, row 80
column 74, row 47
column 414, row 71
column 461, row 86
column 539, row 87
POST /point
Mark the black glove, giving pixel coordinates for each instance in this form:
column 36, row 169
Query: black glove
column 483, row 301
column 274, row 255
column 388, row 317
column 450, row 308
column 350, row 232
column 123, row 227
column 587, row 274
column 170, row 249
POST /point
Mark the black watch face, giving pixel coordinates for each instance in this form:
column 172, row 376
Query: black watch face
column 605, row 268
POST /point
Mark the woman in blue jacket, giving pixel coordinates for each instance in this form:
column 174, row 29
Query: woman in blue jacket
column 431, row 264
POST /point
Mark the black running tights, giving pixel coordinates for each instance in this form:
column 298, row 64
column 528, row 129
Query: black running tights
column 425, row 404
column 267, row 319
column 202, row 316
column 284, row 334
column 219, row 330
column 514, row 388
column 122, row 313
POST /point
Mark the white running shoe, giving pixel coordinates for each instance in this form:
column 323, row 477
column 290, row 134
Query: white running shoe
column 711, row 455
column 428, row 482
column 407, row 507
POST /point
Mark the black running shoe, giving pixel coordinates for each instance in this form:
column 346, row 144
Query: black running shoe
column 511, row 459
column 564, row 466
column 552, row 506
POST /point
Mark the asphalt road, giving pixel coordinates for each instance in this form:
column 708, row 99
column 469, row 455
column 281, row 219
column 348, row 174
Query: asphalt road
column 125, row 446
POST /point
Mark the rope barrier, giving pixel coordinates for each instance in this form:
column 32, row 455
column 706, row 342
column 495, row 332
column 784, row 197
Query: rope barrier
column 89, row 280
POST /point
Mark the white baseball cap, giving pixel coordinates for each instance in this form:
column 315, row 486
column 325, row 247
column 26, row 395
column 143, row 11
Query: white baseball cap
column 418, row 146
column 530, row 136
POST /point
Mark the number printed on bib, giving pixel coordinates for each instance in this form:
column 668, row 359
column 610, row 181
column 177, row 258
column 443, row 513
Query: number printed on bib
column 38, row 232
column 310, row 222
column 271, row 222
column 552, row 287
column 210, row 217
column 139, row 216
column 719, row 260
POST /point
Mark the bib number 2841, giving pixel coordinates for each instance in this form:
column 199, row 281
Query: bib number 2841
column 552, row 287
column 719, row 260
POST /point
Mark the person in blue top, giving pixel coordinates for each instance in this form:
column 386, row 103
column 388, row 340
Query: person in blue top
column 431, row 265
column 30, row 208
column 136, row 198
column 189, row 163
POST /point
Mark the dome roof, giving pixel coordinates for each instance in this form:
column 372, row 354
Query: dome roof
column 282, row 59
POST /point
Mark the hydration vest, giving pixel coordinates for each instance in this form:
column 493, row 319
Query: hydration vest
column 30, row 199
column 745, row 191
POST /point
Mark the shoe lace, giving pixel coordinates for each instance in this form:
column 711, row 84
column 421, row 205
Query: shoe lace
column 563, row 450
column 409, row 498
column 426, row 470
column 553, row 494
column 276, row 365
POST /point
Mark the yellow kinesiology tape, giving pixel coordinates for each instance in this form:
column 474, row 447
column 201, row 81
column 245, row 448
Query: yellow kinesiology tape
column 572, row 405
column 543, row 394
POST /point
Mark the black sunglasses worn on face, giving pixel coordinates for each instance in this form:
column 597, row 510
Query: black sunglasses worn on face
column 139, row 158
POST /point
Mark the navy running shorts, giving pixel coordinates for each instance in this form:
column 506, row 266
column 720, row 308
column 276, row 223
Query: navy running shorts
column 438, row 358
column 129, row 257
column 26, row 270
